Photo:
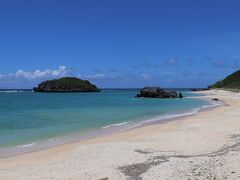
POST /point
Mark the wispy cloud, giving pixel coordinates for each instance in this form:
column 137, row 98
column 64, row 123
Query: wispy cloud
column 95, row 76
column 146, row 76
column 97, row 70
column 172, row 62
column 2, row 76
column 236, row 56
column 37, row 74
column 146, row 65
column 99, row 77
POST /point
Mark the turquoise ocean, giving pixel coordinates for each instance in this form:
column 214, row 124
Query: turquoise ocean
column 28, row 119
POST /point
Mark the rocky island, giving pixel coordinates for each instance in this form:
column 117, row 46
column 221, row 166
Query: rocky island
column 66, row 84
column 156, row 92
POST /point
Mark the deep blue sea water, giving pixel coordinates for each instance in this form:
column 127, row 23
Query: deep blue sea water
column 27, row 117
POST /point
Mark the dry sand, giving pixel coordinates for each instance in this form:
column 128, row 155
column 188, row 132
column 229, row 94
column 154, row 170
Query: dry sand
column 203, row 146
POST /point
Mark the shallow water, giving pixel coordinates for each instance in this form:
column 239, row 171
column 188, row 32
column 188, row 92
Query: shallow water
column 27, row 117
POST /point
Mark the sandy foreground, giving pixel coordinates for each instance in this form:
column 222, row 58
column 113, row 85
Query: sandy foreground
column 203, row 146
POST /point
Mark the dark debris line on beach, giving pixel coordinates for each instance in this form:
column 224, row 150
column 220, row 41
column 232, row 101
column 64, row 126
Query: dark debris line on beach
column 134, row 171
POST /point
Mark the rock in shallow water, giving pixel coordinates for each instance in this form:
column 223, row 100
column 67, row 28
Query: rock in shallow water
column 156, row 92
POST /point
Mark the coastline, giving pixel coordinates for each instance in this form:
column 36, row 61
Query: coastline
column 106, row 130
column 170, row 145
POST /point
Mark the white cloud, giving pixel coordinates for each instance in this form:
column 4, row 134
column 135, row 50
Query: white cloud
column 37, row 74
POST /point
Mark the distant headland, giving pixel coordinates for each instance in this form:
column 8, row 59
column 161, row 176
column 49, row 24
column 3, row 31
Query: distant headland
column 66, row 84
column 230, row 82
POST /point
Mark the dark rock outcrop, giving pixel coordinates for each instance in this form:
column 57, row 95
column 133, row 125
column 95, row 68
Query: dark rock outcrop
column 155, row 92
column 180, row 95
column 66, row 84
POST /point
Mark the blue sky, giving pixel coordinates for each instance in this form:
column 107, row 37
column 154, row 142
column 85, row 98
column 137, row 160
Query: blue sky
column 119, row 43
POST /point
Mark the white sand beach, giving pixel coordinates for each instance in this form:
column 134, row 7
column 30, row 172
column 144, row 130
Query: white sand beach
column 202, row 146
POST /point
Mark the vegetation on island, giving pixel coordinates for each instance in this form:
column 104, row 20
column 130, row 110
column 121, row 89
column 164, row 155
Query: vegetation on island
column 230, row 82
column 66, row 84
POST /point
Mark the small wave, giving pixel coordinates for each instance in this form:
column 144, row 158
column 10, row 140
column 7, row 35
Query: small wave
column 15, row 90
column 167, row 116
column 118, row 124
column 9, row 91
column 178, row 115
column 212, row 104
column 170, row 116
column 26, row 145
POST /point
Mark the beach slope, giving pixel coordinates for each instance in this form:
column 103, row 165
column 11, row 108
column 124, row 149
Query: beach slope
column 202, row 146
